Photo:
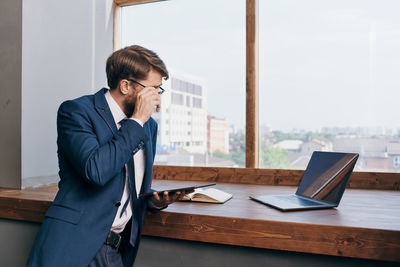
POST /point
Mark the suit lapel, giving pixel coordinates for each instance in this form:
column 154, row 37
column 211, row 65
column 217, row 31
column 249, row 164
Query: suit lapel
column 103, row 109
column 149, row 161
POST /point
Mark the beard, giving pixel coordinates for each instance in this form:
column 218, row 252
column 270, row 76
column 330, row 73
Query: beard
column 129, row 106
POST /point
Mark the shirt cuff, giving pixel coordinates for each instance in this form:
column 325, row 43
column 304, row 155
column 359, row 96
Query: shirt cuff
column 137, row 120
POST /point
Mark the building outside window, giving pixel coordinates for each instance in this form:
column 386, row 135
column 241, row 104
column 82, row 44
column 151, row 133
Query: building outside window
column 327, row 78
column 329, row 82
column 201, row 65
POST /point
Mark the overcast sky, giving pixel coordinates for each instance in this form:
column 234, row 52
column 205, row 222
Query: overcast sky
column 321, row 63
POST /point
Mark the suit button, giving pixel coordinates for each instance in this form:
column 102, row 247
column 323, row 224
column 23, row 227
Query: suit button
column 118, row 204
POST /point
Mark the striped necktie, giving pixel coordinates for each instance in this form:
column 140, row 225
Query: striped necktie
column 131, row 181
column 131, row 185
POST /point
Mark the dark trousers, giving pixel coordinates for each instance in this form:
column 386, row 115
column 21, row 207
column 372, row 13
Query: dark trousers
column 108, row 256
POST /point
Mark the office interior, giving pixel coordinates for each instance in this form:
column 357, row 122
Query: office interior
column 51, row 51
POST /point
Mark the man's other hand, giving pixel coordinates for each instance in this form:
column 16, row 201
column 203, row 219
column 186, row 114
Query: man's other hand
column 165, row 199
column 146, row 100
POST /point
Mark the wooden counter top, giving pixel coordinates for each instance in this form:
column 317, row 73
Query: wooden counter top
column 365, row 225
column 375, row 209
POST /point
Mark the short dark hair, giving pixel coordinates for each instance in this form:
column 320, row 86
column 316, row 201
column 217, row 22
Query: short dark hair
column 132, row 62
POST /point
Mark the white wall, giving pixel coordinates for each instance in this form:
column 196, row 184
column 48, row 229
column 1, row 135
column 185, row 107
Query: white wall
column 65, row 45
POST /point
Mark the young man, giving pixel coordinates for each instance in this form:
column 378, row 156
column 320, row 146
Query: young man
column 106, row 147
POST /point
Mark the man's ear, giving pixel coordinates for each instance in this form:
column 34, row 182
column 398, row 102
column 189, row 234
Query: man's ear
column 123, row 86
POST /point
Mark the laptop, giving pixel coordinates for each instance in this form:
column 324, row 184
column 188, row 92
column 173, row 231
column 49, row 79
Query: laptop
column 322, row 185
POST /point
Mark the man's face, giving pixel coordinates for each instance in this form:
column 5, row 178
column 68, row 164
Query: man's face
column 153, row 79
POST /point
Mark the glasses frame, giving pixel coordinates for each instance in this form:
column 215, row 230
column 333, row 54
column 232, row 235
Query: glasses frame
column 160, row 89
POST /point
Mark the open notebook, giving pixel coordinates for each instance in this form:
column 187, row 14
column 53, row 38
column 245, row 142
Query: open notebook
column 209, row 195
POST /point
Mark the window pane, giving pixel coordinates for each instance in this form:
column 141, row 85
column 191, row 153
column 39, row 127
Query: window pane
column 329, row 80
column 203, row 108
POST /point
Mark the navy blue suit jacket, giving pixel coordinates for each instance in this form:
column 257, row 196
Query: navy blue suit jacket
column 92, row 154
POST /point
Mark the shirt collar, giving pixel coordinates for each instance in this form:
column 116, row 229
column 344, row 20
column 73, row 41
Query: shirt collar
column 115, row 109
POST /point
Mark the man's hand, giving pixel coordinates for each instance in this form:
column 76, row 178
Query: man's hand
column 146, row 99
column 165, row 199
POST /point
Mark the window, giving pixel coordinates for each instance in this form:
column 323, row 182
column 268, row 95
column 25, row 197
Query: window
column 268, row 134
column 207, row 67
column 188, row 101
column 176, row 99
column 329, row 81
column 196, row 102
column 396, row 162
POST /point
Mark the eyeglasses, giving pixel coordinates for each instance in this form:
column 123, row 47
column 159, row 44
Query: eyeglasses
column 160, row 89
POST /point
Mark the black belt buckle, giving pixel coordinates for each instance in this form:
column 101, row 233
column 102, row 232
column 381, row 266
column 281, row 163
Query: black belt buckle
column 113, row 240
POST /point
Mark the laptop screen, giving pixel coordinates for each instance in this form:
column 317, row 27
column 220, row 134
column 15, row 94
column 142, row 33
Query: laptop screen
column 326, row 175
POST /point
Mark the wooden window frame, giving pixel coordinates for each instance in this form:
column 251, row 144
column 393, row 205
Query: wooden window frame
column 251, row 72
column 252, row 140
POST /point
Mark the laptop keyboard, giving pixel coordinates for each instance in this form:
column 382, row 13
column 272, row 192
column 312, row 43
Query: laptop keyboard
column 298, row 200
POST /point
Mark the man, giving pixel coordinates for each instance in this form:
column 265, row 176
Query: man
column 106, row 147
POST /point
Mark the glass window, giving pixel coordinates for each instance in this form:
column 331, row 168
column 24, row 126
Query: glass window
column 396, row 162
column 176, row 99
column 196, row 102
column 329, row 81
column 205, row 54
column 188, row 101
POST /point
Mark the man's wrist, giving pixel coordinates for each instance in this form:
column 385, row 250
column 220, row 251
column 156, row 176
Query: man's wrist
column 138, row 121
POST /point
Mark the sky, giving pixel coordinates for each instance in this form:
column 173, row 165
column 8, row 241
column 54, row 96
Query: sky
column 321, row 63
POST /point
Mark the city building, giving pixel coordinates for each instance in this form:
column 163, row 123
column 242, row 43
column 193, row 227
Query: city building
column 299, row 158
column 376, row 154
column 360, row 131
column 218, row 135
column 182, row 119
column 316, row 145
column 290, row 145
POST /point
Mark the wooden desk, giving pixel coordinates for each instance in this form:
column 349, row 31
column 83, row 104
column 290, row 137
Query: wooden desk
column 366, row 224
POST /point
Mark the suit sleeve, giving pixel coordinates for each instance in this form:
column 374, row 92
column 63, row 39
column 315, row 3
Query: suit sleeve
column 78, row 142
column 153, row 208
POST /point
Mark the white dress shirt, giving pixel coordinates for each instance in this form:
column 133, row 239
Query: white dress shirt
column 139, row 164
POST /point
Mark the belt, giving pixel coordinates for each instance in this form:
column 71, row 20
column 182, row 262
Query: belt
column 113, row 240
